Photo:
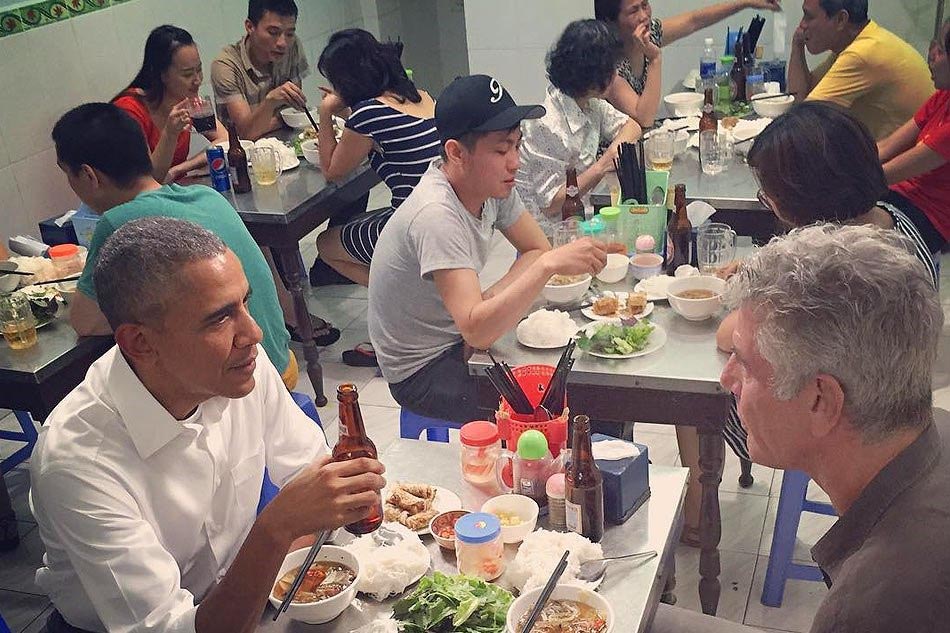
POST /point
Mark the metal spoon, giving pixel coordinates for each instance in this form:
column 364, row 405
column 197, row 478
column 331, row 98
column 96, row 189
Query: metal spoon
column 593, row 570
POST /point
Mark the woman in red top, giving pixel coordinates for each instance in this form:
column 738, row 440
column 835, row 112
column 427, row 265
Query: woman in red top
column 158, row 99
column 916, row 156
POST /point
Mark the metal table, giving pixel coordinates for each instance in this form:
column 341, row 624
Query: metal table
column 37, row 378
column 280, row 215
column 632, row 587
column 678, row 384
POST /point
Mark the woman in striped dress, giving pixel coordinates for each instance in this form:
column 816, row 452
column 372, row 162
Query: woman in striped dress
column 389, row 121
column 817, row 163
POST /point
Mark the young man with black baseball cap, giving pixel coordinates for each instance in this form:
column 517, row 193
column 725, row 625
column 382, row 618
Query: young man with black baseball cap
column 426, row 305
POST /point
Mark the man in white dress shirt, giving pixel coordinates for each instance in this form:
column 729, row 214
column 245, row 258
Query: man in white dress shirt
column 147, row 476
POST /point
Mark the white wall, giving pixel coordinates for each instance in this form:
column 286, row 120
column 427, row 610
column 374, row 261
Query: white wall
column 50, row 69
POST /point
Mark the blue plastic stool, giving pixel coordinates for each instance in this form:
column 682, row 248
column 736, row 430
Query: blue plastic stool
column 791, row 504
column 268, row 489
column 27, row 435
column 3, row 626
column 411, row 426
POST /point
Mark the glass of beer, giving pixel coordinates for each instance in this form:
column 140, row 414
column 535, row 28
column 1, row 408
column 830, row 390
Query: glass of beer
column 17, row 321
column 266, row 163
column 201, row 111
column 661, row 149
column 715, row 247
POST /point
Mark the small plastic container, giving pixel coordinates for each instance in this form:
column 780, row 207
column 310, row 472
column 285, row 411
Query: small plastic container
column 481, row 447
column 557, row 518
column 65, row 258
column 479, row 550
column 613, row 237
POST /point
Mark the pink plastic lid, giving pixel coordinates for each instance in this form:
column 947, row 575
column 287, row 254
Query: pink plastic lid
column 555, row 486
column 479, row 433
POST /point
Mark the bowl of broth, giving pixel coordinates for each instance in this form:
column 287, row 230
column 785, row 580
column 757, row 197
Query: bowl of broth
column 570, row 608
column 327, row 590
column 696, row 298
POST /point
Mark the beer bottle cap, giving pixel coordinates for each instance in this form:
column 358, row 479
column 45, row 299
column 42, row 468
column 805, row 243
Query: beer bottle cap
column 532, row 445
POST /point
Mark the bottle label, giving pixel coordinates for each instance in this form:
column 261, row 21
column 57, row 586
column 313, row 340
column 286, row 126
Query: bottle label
column 526, row 487
column 573, row 518
column 707, row 69
column 571, row 192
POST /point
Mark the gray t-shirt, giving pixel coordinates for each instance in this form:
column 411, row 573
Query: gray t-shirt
column 409, row 325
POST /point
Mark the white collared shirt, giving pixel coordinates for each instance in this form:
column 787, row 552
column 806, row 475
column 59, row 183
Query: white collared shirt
column 142, row 514
column 566, row 134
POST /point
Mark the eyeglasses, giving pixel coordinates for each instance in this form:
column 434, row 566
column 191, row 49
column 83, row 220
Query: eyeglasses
column 765, row 200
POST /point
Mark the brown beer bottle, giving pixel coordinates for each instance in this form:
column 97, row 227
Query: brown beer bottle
column 354, row 443
column 737, row 75
column 237, row 162
column 573, row 207
column 584, row 486
column 708, row 120
column 680, row 231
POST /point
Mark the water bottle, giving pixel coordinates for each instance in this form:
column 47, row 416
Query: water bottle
column 707, row 64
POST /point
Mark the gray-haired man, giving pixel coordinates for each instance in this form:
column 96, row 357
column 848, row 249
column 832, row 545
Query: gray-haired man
column 147, row 476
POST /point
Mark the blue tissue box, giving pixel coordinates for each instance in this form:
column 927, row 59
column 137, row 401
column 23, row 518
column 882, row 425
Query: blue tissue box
column 626, row 482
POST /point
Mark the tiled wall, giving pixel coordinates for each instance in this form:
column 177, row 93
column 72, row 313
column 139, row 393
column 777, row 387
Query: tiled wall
column 509, row 39
column 49, row 69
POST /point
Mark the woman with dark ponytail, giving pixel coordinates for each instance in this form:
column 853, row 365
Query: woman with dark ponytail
column 158, row 99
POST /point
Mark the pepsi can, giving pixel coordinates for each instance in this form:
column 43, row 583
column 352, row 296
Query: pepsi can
column 220, row 176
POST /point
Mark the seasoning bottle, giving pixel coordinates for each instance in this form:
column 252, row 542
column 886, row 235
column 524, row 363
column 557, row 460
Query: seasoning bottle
column 353, row 444
column 237, row 161
column 479, row 550
column 573, row 207
column 555, row 492
column 679, row 232
column 532, row 466
column 737, row 75
column 584, row 486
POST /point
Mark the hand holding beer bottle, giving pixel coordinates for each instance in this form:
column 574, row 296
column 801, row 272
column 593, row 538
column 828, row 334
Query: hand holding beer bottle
column 354, row 444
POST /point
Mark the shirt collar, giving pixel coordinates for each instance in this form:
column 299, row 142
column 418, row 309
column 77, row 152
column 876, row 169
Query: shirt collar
column 848, row 534
column 575, row 118
column 246, row 60
column 149, row 424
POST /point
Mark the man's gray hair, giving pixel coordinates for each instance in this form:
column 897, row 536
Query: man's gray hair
column 857, row 9
column 852, row 302
column 138, row 266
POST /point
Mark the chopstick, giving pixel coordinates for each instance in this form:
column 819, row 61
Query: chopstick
column 56, row 281
column 546, row 593
column 16, row 272
column 311, row 555
column 766, row 95
column 306, row 109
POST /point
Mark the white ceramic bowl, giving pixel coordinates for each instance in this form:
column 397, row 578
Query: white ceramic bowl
column 525, row 603
column 772, row 107
column 696, row 309
column 568, row 293
column 297, row 118
column 615, row 270
column 525, row 507
column 684, row 103
column 324, row 610
column 8, row 283
column 447, row 543
column 311, row 151
column 646, row 265
column 247, row 145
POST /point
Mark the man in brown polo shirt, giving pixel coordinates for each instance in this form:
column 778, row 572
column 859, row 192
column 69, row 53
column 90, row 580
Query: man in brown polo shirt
column 834, row 350
column 262, row 72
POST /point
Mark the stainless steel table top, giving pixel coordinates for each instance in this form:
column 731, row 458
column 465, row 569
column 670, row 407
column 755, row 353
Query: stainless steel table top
column 632, row 587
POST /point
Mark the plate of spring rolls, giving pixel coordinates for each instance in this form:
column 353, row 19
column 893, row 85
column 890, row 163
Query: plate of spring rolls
column 414, row 505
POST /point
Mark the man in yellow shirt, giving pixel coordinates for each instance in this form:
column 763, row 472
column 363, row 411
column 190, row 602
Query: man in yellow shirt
column 873, row 73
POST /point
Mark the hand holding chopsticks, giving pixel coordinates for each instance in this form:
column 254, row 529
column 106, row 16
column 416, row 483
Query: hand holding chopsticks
column 546, row 593
column 311, row 556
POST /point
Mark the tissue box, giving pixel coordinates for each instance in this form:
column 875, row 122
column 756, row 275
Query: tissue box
column 626, row 482
column 52, row 234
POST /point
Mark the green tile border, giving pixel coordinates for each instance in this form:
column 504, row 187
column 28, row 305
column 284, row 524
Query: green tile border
column 38, row 14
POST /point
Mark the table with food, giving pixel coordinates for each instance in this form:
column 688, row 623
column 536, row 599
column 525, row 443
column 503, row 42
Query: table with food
column 454, row 553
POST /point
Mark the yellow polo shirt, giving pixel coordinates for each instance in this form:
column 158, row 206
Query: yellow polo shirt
column 879, row 78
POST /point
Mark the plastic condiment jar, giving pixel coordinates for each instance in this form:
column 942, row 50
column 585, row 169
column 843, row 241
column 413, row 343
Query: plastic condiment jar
column 65, row 258
column 481, row 447
column 479, row 550
column 557, row 518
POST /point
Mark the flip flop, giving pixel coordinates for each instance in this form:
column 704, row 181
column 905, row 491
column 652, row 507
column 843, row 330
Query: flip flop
column 324, row 334
column 360, row 356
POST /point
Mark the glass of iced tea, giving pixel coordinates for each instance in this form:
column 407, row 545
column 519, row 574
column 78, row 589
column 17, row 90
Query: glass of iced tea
column 201, row 111
column 266, row 163
column 17, row 321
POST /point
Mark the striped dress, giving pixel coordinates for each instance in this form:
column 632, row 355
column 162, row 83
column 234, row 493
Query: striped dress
column 403, row 147
column 733, row 431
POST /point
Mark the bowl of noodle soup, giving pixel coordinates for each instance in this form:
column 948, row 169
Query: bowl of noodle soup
column 570, row 608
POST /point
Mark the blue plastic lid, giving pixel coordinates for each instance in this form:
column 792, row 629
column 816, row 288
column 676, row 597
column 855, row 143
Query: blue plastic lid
column 478, row 527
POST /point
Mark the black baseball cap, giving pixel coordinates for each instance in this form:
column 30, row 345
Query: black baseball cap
column 479, row 103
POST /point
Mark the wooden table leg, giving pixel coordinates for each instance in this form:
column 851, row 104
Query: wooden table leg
column 295, row 275
column 711, row 455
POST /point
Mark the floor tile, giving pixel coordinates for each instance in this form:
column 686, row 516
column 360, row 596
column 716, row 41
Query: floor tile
column 799, row 604
column 21, row 609
column 742, row 519
column 339, row 312
column 647, row 427
column 811, row 528
column 761, row 477
column 18, row 485
column 38, row 625
column 376, row 392
column 662, row 448
column 736, row 577
column 18, row 567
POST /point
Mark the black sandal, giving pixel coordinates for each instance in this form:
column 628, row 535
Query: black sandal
column 324, row 334
column 362, row 355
